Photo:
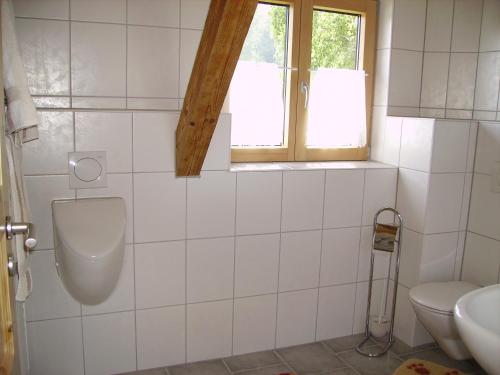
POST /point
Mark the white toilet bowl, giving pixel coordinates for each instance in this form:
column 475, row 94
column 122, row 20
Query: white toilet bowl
column 89, row 240
column 433, row 304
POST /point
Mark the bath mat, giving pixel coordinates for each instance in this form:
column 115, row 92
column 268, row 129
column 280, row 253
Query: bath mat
column 415, row 366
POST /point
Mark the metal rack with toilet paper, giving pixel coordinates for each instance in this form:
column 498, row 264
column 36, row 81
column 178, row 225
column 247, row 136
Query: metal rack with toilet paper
column 386, row 238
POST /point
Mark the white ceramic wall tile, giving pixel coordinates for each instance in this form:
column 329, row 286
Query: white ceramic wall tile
column 380, row 192
column 153, row 12
column 460, row 255
column 42, row 190
column 488, row 147
column 256, row 264
column 335, row 311
column 444, row 202
column 484, row 115
column 194, row 13
column 403, row 111
column 109, row 343
column 461, row 82
column 339, row 256
column 211, row 205
column 55, row 347
column 122, row 297
column 156, row 265
column 49, row 154
column 49, row 299
column 481, row 260
column 86, row 102
column 411, row 253
column 392, row 144
column 378, row 133
column 416, row 144
column 434, row 79
column 484, row 213
column 488, row 81
column 258, row 202
column 466, row 196
column 405, row 321
column 51, row 101
column 459, row 114
column 438, row 25
column 153, row 104
column 159, row 207
column 161, row 337
column 254, row 324
column 190, row 39
column 210, row 269
column 207, row 341
column 432, row 113
column 299, row 260
column 466, row 26
column 44, row 46
column 405, row 79
column 412, row 198
column 297, row 313
column 343, row 198
column 111, row 11
column 154, row 141
column 409, row 24
column 218, row 156
column 106, row 131
column 449, row 150
column 382, row 71
column 152, row 71
column 382, row 259
column 303, row 193
column 385, row 15
column 490, row 29
column 361, row 300
column 119, row 185
column 438, row 257
column 56, row 9
column 98, row 59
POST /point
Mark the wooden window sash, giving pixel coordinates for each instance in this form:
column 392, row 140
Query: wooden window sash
column 287, row 151
column 299, row 45
column 367, row 10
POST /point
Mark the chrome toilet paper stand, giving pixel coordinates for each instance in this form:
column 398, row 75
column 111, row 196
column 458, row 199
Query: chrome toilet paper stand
column 397, row 225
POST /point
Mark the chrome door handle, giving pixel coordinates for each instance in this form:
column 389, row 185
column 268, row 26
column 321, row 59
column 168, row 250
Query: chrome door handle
column 27, row 229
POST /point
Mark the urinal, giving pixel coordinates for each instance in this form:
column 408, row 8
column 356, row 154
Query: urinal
column 89, row 240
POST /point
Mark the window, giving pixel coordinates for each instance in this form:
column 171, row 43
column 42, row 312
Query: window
column 302, row 87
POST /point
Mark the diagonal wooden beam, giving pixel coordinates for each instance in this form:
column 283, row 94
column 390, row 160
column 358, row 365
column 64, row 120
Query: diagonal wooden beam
column 225, row 31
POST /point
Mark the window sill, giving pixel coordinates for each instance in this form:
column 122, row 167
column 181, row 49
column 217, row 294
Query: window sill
column 300, row 166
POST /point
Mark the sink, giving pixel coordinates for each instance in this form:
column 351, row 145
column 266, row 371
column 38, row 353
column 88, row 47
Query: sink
column 477, row 315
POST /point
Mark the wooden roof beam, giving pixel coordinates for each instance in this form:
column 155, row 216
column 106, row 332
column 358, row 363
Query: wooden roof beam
column 225, row 31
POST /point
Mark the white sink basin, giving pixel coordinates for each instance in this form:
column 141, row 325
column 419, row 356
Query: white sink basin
column 477, row 315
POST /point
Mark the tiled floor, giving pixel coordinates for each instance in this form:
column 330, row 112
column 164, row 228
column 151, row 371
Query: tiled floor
column 331, row 357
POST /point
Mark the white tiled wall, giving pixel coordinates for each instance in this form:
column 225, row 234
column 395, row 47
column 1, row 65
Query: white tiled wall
column 441, row 57
column 119, row 54
column 482, row 250
column 227, row 263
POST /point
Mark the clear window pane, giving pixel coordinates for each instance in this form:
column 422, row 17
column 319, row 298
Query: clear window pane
column 336, row 107
column 257, row 95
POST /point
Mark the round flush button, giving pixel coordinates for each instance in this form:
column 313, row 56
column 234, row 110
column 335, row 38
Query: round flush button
column 88, row 169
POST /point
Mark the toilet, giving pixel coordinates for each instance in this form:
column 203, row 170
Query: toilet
column 89, row 240
column 433, row 304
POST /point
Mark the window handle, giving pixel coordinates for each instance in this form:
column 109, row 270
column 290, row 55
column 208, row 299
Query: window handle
column 304, row 89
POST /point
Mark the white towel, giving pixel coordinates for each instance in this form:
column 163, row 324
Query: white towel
column 21, row 111
column 22, row 121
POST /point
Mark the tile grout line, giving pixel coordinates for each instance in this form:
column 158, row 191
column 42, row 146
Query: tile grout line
column 186, row 271
column 320, row 255
column 279, row 265
column 478, row 56
column 234, row 261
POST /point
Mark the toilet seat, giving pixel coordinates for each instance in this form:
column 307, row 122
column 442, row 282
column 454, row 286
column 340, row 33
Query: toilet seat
column 440, row 297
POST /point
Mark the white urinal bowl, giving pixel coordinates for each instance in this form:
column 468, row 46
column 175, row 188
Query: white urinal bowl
column 89, row 240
